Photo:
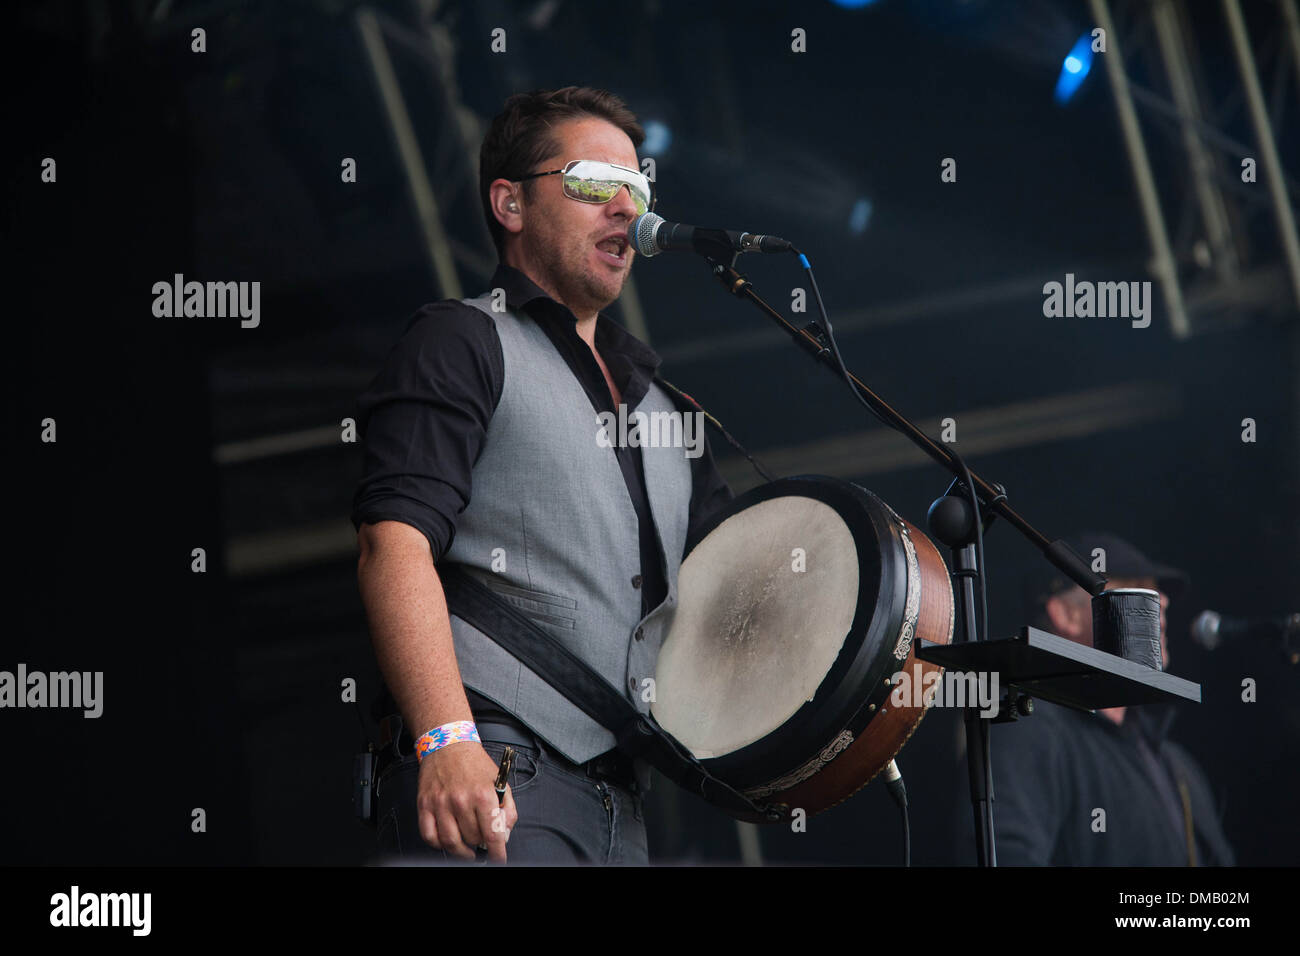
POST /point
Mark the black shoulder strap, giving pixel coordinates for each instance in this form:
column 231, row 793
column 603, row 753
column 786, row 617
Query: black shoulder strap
column 637, row 735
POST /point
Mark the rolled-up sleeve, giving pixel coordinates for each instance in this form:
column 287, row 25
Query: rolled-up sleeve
column 423, row 421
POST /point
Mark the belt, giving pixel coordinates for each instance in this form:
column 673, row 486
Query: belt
column 612, row 766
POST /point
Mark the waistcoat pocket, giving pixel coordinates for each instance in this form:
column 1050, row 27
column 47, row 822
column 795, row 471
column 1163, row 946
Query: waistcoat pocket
column 538, row 605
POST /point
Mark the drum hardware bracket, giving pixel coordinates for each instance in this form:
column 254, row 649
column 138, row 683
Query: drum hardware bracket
column 955, row 515
column 814, row 330
column 1014, row 706
column 988, row 509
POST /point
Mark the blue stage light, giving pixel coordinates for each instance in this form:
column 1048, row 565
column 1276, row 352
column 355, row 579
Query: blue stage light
column 860, row 216
column 1075, row 68
column 658, row 137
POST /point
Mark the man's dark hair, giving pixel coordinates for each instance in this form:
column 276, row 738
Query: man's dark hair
column 523, row 134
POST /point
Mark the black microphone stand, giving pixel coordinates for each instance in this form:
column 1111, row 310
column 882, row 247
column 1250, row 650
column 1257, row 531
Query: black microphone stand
column 1055, row 668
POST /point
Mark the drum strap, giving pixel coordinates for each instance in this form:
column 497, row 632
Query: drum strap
column 638, row 735
column 758, row 467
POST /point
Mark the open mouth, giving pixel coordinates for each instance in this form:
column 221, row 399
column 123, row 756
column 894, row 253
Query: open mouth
column 613, row 250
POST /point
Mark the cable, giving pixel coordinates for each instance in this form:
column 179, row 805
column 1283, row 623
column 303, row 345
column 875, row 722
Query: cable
column 830, row 337
column 718, row 425
column 907, row 839
column 897, row 790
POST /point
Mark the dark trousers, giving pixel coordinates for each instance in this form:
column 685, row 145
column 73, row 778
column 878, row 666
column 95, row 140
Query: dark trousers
column 567, row 815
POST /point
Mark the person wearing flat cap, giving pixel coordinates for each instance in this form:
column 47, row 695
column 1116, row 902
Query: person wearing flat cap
column 1109, row 788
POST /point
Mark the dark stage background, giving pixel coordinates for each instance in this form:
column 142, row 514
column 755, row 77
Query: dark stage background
column 223, row 689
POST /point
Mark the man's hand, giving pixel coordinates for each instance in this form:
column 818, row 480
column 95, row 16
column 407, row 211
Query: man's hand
column 457, row 803
column 411, row 629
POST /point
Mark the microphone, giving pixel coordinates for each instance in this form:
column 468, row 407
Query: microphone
column 650, row 235
column 1210, row 629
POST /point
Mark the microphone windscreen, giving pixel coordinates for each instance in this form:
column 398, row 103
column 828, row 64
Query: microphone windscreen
column 641, row 234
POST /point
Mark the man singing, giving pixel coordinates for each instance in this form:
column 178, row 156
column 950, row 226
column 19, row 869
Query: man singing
column 482, row 450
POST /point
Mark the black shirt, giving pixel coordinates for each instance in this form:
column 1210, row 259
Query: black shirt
column 424, row 417
column 1056, row 769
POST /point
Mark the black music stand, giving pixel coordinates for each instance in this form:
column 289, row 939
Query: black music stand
column 1054, row 668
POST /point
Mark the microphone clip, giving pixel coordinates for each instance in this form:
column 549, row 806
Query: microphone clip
column 814, row 329
column 716, row 248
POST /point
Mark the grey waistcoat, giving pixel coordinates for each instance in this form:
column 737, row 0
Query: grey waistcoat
column 551, row 529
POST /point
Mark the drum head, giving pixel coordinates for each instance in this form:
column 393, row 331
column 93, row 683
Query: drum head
column 765, row 603
column 790, row 605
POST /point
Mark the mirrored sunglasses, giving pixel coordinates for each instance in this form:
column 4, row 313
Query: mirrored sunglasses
column 588, row 180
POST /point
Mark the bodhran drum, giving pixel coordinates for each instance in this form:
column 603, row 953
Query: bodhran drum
column 797, row 605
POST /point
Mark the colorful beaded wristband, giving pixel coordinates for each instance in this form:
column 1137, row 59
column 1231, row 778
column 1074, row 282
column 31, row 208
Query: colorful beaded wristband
column 440, row 737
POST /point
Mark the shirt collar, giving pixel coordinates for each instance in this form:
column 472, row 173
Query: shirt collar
column 524, row 295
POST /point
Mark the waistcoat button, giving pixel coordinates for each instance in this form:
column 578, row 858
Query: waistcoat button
column 636, row 580
column 640, row 633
